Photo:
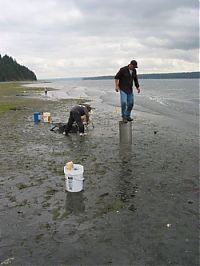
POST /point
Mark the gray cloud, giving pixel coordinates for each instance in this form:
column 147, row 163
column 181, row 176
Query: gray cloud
column 58, row 38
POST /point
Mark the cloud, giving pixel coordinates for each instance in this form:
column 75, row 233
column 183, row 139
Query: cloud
column 58, row 38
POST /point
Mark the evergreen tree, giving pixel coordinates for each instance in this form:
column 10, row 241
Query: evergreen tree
column 10, row 70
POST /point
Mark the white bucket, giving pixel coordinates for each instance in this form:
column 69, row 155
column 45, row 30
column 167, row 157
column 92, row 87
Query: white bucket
column 74, row 178
column 46, row 116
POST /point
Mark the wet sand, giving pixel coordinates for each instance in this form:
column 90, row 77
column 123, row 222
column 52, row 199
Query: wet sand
column 139, row 205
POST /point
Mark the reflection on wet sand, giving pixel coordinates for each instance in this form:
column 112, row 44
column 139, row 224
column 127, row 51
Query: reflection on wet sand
column 74, row 202
column 127, row 185
column 125, row 152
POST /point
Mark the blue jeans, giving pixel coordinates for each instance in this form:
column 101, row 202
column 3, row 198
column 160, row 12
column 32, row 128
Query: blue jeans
column 127, row 102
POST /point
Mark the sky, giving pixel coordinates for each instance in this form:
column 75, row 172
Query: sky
column 85, row 38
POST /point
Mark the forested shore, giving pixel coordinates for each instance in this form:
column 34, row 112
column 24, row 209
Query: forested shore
column 10, row 70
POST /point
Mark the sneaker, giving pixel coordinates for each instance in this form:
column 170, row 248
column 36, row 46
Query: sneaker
column 83, row 134
column 125, row 120
column 129, row 119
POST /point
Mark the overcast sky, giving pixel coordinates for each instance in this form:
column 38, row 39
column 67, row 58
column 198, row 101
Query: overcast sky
column 73, row 38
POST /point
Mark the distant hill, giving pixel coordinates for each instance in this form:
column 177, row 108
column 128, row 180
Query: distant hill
column 181, row 75
column 10, row 70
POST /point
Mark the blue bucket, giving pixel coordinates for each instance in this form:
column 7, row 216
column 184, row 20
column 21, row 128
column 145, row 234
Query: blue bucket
column 36, row 117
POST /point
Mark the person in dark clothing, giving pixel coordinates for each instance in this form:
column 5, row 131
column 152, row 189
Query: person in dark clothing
column 124, row 84
column 76, row 113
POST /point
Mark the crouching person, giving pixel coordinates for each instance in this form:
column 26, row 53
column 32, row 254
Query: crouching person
column 76, row 113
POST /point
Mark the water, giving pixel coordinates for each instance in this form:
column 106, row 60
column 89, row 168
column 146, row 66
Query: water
column 179, row 94
column 176, row 99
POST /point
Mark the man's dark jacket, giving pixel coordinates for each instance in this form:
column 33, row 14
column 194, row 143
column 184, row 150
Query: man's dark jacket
column 79, row 109
column 126, row 79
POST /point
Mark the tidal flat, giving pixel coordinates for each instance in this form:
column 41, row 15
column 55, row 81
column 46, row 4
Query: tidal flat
column 139, row 205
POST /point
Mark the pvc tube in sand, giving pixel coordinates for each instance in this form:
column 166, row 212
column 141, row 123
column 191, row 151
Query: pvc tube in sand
column 125, row 132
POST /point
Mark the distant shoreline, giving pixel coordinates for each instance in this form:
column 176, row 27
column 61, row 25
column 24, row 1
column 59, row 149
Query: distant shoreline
column 181, row 75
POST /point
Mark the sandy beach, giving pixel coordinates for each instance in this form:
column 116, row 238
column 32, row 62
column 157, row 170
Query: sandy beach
column 139, row 205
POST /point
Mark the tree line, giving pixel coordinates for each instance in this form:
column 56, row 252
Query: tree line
column 10, row 70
